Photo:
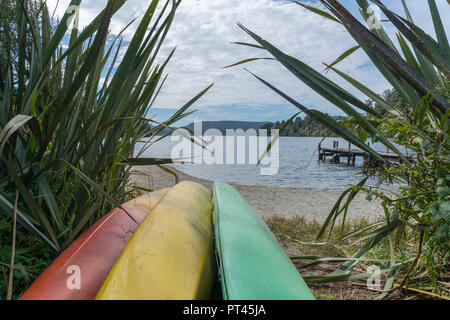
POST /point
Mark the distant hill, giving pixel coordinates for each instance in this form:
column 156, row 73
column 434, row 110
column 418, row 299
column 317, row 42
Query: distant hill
column 227, row 124
column 305, row 127
column 302, row 127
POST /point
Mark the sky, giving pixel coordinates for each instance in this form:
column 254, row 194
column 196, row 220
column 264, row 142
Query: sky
column 204, row 29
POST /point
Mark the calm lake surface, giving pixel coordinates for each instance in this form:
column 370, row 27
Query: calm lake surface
column 298, row 165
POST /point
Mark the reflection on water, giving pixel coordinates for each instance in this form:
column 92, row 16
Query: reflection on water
column 298, row 166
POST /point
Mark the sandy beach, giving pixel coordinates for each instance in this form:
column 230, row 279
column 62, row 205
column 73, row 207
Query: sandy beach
column 313, row 204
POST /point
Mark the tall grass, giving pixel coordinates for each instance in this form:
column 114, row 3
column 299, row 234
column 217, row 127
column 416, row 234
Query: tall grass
column 418, row 69
column 70, row 118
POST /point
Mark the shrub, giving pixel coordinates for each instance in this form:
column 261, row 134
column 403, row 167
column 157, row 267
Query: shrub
column 415, row 117
column 70, row 118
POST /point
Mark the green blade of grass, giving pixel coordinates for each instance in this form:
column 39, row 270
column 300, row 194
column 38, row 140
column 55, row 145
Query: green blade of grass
column 318, row 11
column 28, row 224
column 343, row 56
column 246, row 61
column 32, row 204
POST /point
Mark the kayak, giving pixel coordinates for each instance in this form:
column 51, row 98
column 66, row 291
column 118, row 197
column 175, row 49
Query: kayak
column 168, row 253
column 170, row 256
column 92, row 255
column 251, row 263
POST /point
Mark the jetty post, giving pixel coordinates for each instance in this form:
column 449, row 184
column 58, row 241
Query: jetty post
column 349, row 156
column 335, row 157
column 319, row 148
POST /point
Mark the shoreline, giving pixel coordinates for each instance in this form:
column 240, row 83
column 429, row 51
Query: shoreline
column 312, row 204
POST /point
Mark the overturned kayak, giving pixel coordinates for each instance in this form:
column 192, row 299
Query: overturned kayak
column 170, row 256
column 169, row 253
column 251, row 263
column 79, row 271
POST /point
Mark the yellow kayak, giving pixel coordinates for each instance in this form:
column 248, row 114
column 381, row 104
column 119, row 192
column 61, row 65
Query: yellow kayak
column 170, row 255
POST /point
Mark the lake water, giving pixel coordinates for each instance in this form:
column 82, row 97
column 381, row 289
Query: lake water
column 298, row 166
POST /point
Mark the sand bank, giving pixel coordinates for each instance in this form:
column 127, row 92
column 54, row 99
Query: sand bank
column 269, row 201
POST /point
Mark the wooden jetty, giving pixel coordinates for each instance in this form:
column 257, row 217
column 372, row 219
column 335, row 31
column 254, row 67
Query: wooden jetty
column 337, row 153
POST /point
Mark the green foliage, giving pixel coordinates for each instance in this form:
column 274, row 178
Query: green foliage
column 32, row 256
column 306, row 127
column 414, row 114
column 70, row 119
column 392, row 98
column 425, row 187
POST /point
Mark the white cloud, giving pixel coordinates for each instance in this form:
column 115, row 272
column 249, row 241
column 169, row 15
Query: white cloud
column 203, row 30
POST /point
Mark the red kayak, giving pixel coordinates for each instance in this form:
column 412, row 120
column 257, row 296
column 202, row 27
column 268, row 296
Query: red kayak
column 80, row 270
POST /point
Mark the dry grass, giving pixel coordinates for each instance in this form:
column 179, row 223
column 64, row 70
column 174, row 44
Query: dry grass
column 295, row 233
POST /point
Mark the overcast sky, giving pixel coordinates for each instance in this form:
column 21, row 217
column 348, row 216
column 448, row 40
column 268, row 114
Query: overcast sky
column 202, row 32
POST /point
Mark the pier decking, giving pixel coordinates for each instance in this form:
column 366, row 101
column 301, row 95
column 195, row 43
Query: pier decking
column 337, row 153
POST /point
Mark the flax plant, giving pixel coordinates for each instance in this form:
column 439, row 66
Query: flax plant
column 73, row 106
column 417, row 66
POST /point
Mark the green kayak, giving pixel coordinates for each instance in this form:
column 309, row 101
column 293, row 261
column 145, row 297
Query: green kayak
column 251, row 263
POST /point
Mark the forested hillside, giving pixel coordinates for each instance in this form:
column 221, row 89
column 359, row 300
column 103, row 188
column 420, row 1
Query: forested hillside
column 305, row 127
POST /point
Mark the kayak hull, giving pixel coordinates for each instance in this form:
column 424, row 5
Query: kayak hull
column 170, row 256
column 251, row 263
column 92, row 254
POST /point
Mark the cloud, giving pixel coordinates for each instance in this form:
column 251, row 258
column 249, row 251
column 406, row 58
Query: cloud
column 204, row 29
column 202, row 32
